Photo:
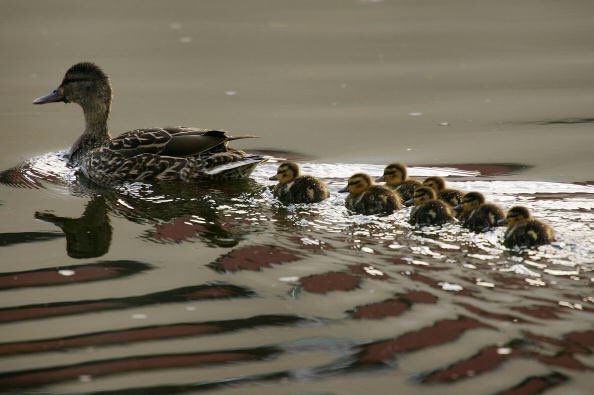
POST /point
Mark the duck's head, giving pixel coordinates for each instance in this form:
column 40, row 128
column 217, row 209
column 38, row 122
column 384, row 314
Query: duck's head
column 435, row 183
column 357, row 184
column 516, row 214
column 85, row 84
column 470, row 201
column 394, row 173
column 422, row 195
column 286, row 172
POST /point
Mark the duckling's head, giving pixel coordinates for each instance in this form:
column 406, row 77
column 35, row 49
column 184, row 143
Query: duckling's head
column 286, row 172
column 517, row 214
column 394, row 174
column 85, row 84
column 471, row 201
column 436, row 183
column 422, row 195
column 357, row 184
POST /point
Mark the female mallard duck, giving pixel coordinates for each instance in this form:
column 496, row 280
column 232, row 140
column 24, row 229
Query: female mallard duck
column 172, row 153
column 395, row 177
column 525, row 231
column 477, row 215
column 428, row 210
column 295, row 188
column 368, row 199
column 453, row 197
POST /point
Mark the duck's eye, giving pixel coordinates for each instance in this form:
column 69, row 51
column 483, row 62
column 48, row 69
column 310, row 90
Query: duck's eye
column 353, row 183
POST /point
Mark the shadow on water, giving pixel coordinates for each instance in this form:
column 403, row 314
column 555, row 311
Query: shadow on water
column 352, row 272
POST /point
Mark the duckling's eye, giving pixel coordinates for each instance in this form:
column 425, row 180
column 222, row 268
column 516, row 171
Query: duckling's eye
column 353, row 183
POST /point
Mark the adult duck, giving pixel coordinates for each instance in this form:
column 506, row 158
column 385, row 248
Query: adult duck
column 170, row 153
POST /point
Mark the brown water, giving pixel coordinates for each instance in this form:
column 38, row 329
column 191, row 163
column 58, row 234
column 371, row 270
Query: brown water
column 168, row 288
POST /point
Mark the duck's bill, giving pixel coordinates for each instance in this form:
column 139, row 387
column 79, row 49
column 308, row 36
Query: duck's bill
column 53, row 97
column 409, row 202
column 273, row 178
column 380, row 179
column 343, row 190
column 458, row 207
column 502, row 222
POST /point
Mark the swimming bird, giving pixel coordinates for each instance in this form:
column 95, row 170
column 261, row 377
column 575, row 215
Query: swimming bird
column 169, row 153
column 524, row 231
column 452, row 197
column 428, row 210
column 477, row 215
column 368, row 199
column 395, row 176
column 293, row 187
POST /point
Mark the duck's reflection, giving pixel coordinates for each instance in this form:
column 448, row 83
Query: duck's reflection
column 181, row 212
column 88, row 236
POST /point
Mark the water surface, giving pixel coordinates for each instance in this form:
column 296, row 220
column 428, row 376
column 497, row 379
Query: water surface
column 176, row 288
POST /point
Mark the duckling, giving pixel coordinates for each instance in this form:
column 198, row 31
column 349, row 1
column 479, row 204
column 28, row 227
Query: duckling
column 171, row 153
column 428, row 210
column 477, row 215
column 525, row 231
column 395, row 177
column 452, row 197
column 295, row 188
column 368, row 199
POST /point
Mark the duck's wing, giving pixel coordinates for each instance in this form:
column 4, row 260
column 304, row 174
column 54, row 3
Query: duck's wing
column 169, row 141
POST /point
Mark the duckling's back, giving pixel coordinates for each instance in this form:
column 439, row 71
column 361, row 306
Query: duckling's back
column 452, row 197
column 406, row 189
column 376, row 199
column 304, row 189
column 530, row 233
column 433, row 212
column 484, row 218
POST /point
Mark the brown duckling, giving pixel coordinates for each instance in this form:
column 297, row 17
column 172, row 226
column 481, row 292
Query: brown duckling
column 170, row 153
column 293, row 187
column 428, row 210
column 395, row 177
column 368, row 199
column 477, row 215
column 453, row 197
column 524, row 231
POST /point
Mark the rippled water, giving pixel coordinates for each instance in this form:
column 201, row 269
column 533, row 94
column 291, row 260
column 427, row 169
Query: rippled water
column 175, row 288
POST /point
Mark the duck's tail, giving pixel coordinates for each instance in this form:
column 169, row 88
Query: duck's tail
column 237, row 169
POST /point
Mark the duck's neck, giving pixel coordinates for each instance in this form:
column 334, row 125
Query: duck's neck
column 96, row 116
column 95, row 134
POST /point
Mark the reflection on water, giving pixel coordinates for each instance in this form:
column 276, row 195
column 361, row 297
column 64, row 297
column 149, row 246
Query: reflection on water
column 88, row 236
column 238, row 289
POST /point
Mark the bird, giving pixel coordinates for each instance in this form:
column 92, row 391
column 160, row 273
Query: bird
column 395, row 177
column 167, row 153
column 452, row 197
column 293, row 187
column 477, row 215
column 369, row 199
column 428, row 210
column 524, row 231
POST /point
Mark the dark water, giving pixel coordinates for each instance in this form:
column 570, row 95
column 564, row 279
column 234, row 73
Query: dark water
column 175, row 288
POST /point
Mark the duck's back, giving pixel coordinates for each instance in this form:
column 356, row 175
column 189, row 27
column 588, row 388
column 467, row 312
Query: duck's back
column 376, row 199
column 304, row 189
column 528, row 233
column 485, row 217
column 176, row 153
column 433, row 212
